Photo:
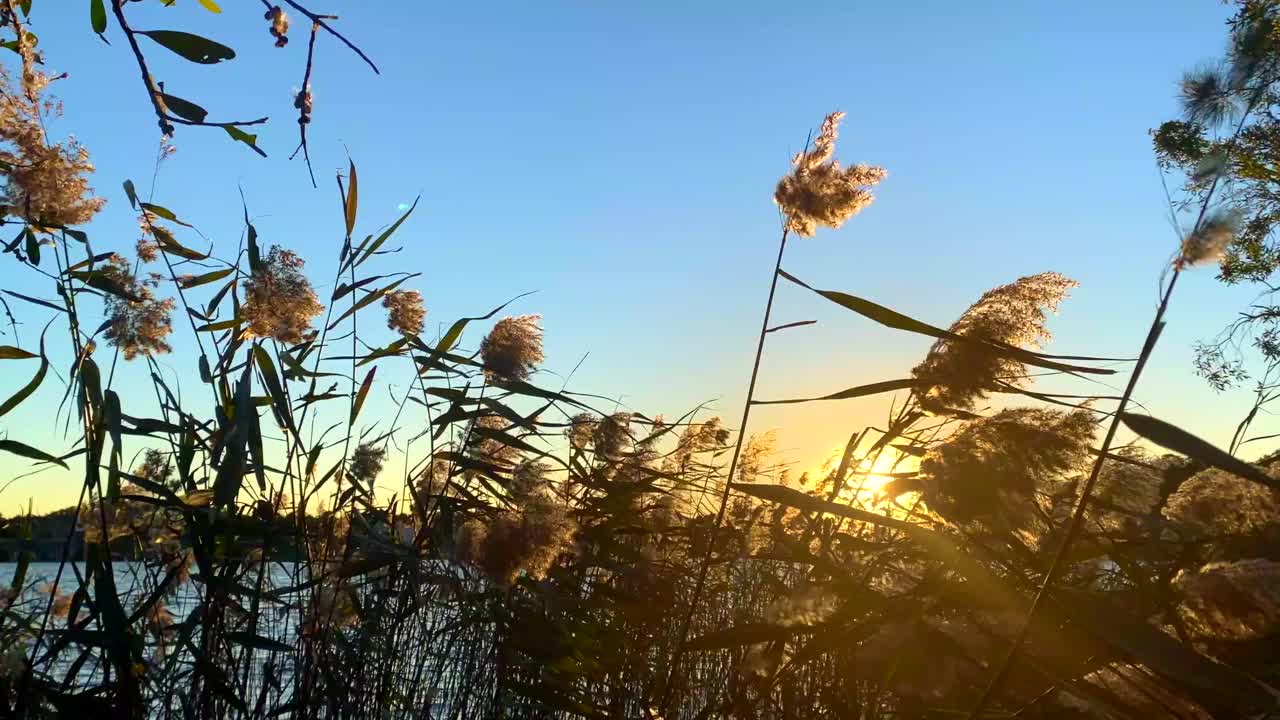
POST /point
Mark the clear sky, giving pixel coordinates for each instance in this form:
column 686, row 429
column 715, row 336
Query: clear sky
column 619, row 158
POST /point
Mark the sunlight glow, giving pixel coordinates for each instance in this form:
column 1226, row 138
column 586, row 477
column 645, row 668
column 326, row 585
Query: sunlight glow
column 868, row 477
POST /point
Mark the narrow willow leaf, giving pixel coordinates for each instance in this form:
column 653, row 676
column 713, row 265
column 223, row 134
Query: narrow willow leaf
column 392, row 350
column 353, row 199
column 211, row 6
column 521, row 387
column 9, row 352
column 1178, row 440
column 17, row 448
column 192, row 47
column 247, row 138
column 98, row 16
column 360, row 396
column 296, row 369
column 184, row 109
column 853, row 392
column 216, row 300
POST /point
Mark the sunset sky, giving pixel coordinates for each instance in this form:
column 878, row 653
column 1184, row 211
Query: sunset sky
column 619, row 158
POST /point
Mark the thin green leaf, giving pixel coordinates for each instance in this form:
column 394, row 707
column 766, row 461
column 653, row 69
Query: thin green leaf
column 17, row 448
column 198, row 280
column 32, row 247
column 455, row 333
column 853, row 392
column 353, row 199
column 9, row 352
column 37, row 301
column 387, row 233
column 272, row 380
column 898, row 321
column 162, row 211
column 360, row 396
column 369, row 299
column 30, row 387
column 170, row 245
column 100, row 280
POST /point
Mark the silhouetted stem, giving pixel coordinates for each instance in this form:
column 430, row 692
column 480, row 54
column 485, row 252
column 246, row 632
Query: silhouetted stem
column 1077, row 517
column 705, row 565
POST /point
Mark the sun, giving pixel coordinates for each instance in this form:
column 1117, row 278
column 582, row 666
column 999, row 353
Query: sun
column 866, row 479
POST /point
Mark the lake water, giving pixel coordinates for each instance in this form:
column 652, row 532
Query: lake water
column 134, row 582
column 169, row 663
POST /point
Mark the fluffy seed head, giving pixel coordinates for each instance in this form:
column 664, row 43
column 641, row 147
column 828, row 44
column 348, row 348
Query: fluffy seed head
column 46, row 183
column 486, row 444
column 582, row 428
column 526, row 541
column 1217, row 504
column 1231, row 600
column 818, row 191
column 405, row 313
column 279, row 300
column 366, row 463
column 1209, row 242
column 613, row 439
column 513, row 349
column 138, row 324
column 958, row 374
column 997, row 462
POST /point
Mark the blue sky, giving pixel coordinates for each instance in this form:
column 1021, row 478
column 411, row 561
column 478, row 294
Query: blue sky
column 619, row 158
